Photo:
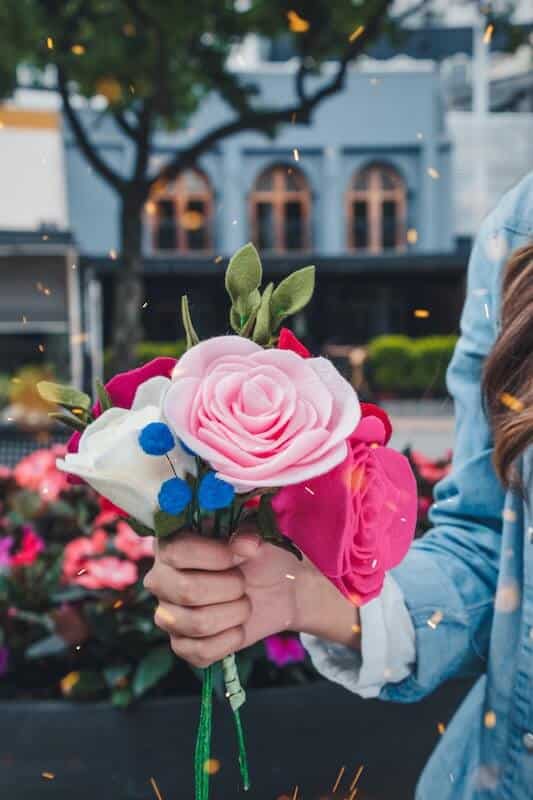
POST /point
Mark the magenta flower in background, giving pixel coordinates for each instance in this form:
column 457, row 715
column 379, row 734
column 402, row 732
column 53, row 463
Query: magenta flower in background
column 4, row 661
column 283, row 650
column 5, row 548
column 31, row 546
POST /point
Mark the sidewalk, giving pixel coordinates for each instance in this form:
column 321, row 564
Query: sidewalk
column 425, row 425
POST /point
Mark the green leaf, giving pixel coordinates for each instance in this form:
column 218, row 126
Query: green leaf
column 103, row 395
column 138, row 527
column 190, row 333
column 292, row 294
column 151, row 669
column 167, row 524
column 248, row 326
column 244, row 273
column 66, row 396
column 122, row 697
column 268, row 526
column 263, row 322
column 69, row 420
column 49, row 646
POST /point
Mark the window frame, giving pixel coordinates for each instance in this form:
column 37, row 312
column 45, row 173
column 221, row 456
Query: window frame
column 374, row 196
column 181, row 196
column 278, row 197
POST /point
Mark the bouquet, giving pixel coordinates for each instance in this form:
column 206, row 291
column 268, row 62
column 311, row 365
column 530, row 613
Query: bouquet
column 248, row 424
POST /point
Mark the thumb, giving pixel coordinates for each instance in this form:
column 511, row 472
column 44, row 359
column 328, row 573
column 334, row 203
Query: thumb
column 246, row 544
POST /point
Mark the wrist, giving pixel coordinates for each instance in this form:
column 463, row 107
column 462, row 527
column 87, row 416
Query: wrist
column 322, row 611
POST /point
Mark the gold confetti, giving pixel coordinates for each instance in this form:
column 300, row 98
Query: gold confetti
column 511, row 402
column 150, row 207
column 441, row 727
column 435, row 619
column 433, row 173
column 24, row 319
column 356, row 629
column 69, row 682
column 487, row 36
column 78, row 49
column 109, row 88
column 356, row 33
column 155, row 787
column 211, row 766
column 145, row 304
column 356, row 778
column 339, row 778
column 41, row 348
column 118, row 603
column 297, row 24
column 81, row 571
column 296, row 154
column 419, row 135
column 295, row 793
column 412, row 236
column 308, row 489
column 128, row 29
column 113, row 254
column 290, row 577
column 78, row 411
column 509, row 515
column 486, row 310
column 218, row 259
column 490, row 719
column 50, row 43
column 49, row 776
column 421, row 313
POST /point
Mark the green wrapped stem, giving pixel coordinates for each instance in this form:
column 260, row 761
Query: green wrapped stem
column 236, row 696
column 203, row 739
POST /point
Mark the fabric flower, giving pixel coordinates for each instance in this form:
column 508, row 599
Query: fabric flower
column 108, row 572
column 112, row 461
column 4, row 661
column 288, row 341
column 283, row 650
column 123, row 386
column 133, row 546
column 260, row 417
column 357, row 521
column 31, row 546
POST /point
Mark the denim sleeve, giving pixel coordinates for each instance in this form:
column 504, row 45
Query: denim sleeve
column 448, row 578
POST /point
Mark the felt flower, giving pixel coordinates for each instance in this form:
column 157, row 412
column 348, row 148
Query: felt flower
column 357, row 521
column 121, row 389
column 260, row 417
column 111, row 459
column 288, row 341
column 4, row 661
column 133, row 546
column 283, row 649
column 108, row 572
column 30, row 547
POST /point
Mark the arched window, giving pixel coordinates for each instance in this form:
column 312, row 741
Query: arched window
column 376, row 210
column 281, row 209
column 180, row 214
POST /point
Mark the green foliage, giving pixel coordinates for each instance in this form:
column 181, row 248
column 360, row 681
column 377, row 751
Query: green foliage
column 190, row 333
column 152, row 668
column 167, row 524
column 103, row 396
column 292, row 294
column 402, row 365
column 66, row 396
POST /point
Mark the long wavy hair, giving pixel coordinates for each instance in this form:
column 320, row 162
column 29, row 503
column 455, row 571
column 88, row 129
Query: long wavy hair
column 508, row 373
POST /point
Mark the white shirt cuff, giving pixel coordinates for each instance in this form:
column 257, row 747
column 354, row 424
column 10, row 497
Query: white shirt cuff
column 388, row 651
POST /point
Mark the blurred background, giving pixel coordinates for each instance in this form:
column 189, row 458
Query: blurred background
column 141, row 144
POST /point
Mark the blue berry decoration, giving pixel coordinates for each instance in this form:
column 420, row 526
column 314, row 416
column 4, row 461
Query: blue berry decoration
column 214, row 493
column 156, row 439
column 174, row 496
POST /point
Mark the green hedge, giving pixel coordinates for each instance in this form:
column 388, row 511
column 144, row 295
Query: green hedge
column 405, row 366
column 146, row 351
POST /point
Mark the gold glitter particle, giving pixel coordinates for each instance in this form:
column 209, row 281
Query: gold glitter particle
column 113, row 254
column 50, row 43
column 49, row 776
column 78, row 49
column 155, row 787
column 290, row 577
column 509, row 515
column 490, row 719
column 421, row 313
column 435, row 619
column 433, row 173
column 356, row 33
column 356, row 629
column 296, row 154
column 218, row 259
column 69, row 682
column 338, row 780
column 487, row 36
column 511, row 402
column 118, row 603
column 211, row 766
column 412, row 236
column 307, row 489
column 356, row 779
column 441, row 727
column 297, row 24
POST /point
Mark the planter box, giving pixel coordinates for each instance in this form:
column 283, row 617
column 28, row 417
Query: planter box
column 297, row 735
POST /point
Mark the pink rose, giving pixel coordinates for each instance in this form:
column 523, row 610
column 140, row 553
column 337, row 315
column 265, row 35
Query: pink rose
column 261, row 417
column 133, row 546
column 121, row 389
column 284, row 649
column 358, row 521
column 108, row 572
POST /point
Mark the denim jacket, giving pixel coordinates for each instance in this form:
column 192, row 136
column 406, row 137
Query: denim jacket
column 468, row 584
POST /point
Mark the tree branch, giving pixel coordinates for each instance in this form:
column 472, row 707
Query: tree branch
column 82, row 139
column 267, row 119
column 130, row 131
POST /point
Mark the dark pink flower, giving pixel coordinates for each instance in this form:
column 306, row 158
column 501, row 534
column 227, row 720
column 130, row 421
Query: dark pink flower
column 283, row 649
column 133, row 546
column 108, row 572
column 78, row 552
column 288, row 341
column 6, row 542
column 31, row 546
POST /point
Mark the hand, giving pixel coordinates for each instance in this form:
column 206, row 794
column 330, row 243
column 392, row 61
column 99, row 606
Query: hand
column 216, row 598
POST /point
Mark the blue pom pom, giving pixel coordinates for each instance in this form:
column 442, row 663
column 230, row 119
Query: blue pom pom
column 214, row 493
column 174, row 496
column 186, row 449
column 156, row 439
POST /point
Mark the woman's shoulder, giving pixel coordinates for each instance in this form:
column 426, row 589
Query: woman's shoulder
column 514, row 212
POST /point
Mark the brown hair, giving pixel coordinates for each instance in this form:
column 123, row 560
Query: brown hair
column 508, row 374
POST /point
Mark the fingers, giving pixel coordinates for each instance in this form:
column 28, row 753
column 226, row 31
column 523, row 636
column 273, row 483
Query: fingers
column 194, row 587
column 202, row 622
column 203, row 652
column 191, row 551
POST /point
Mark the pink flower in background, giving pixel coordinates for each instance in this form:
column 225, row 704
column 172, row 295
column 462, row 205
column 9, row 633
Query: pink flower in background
column 31, row 546
column 424, row 504
column 108, row 572
column 38, row 473
column 105, row 518
column 430, row 470
column 133, row 546
column 283, row 649
column 261, row 417
column 4, row 661
column 78, row 552
column 357, row 521
column 6, row 542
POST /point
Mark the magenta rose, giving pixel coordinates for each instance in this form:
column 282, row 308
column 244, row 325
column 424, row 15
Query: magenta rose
column 261, row 417
column 121, row 389
column 357, row 521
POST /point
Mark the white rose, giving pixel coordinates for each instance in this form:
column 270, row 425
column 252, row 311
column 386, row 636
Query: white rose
column 111, row 460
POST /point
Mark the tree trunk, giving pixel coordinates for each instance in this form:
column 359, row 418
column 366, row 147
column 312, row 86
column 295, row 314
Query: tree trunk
column 128, row 287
